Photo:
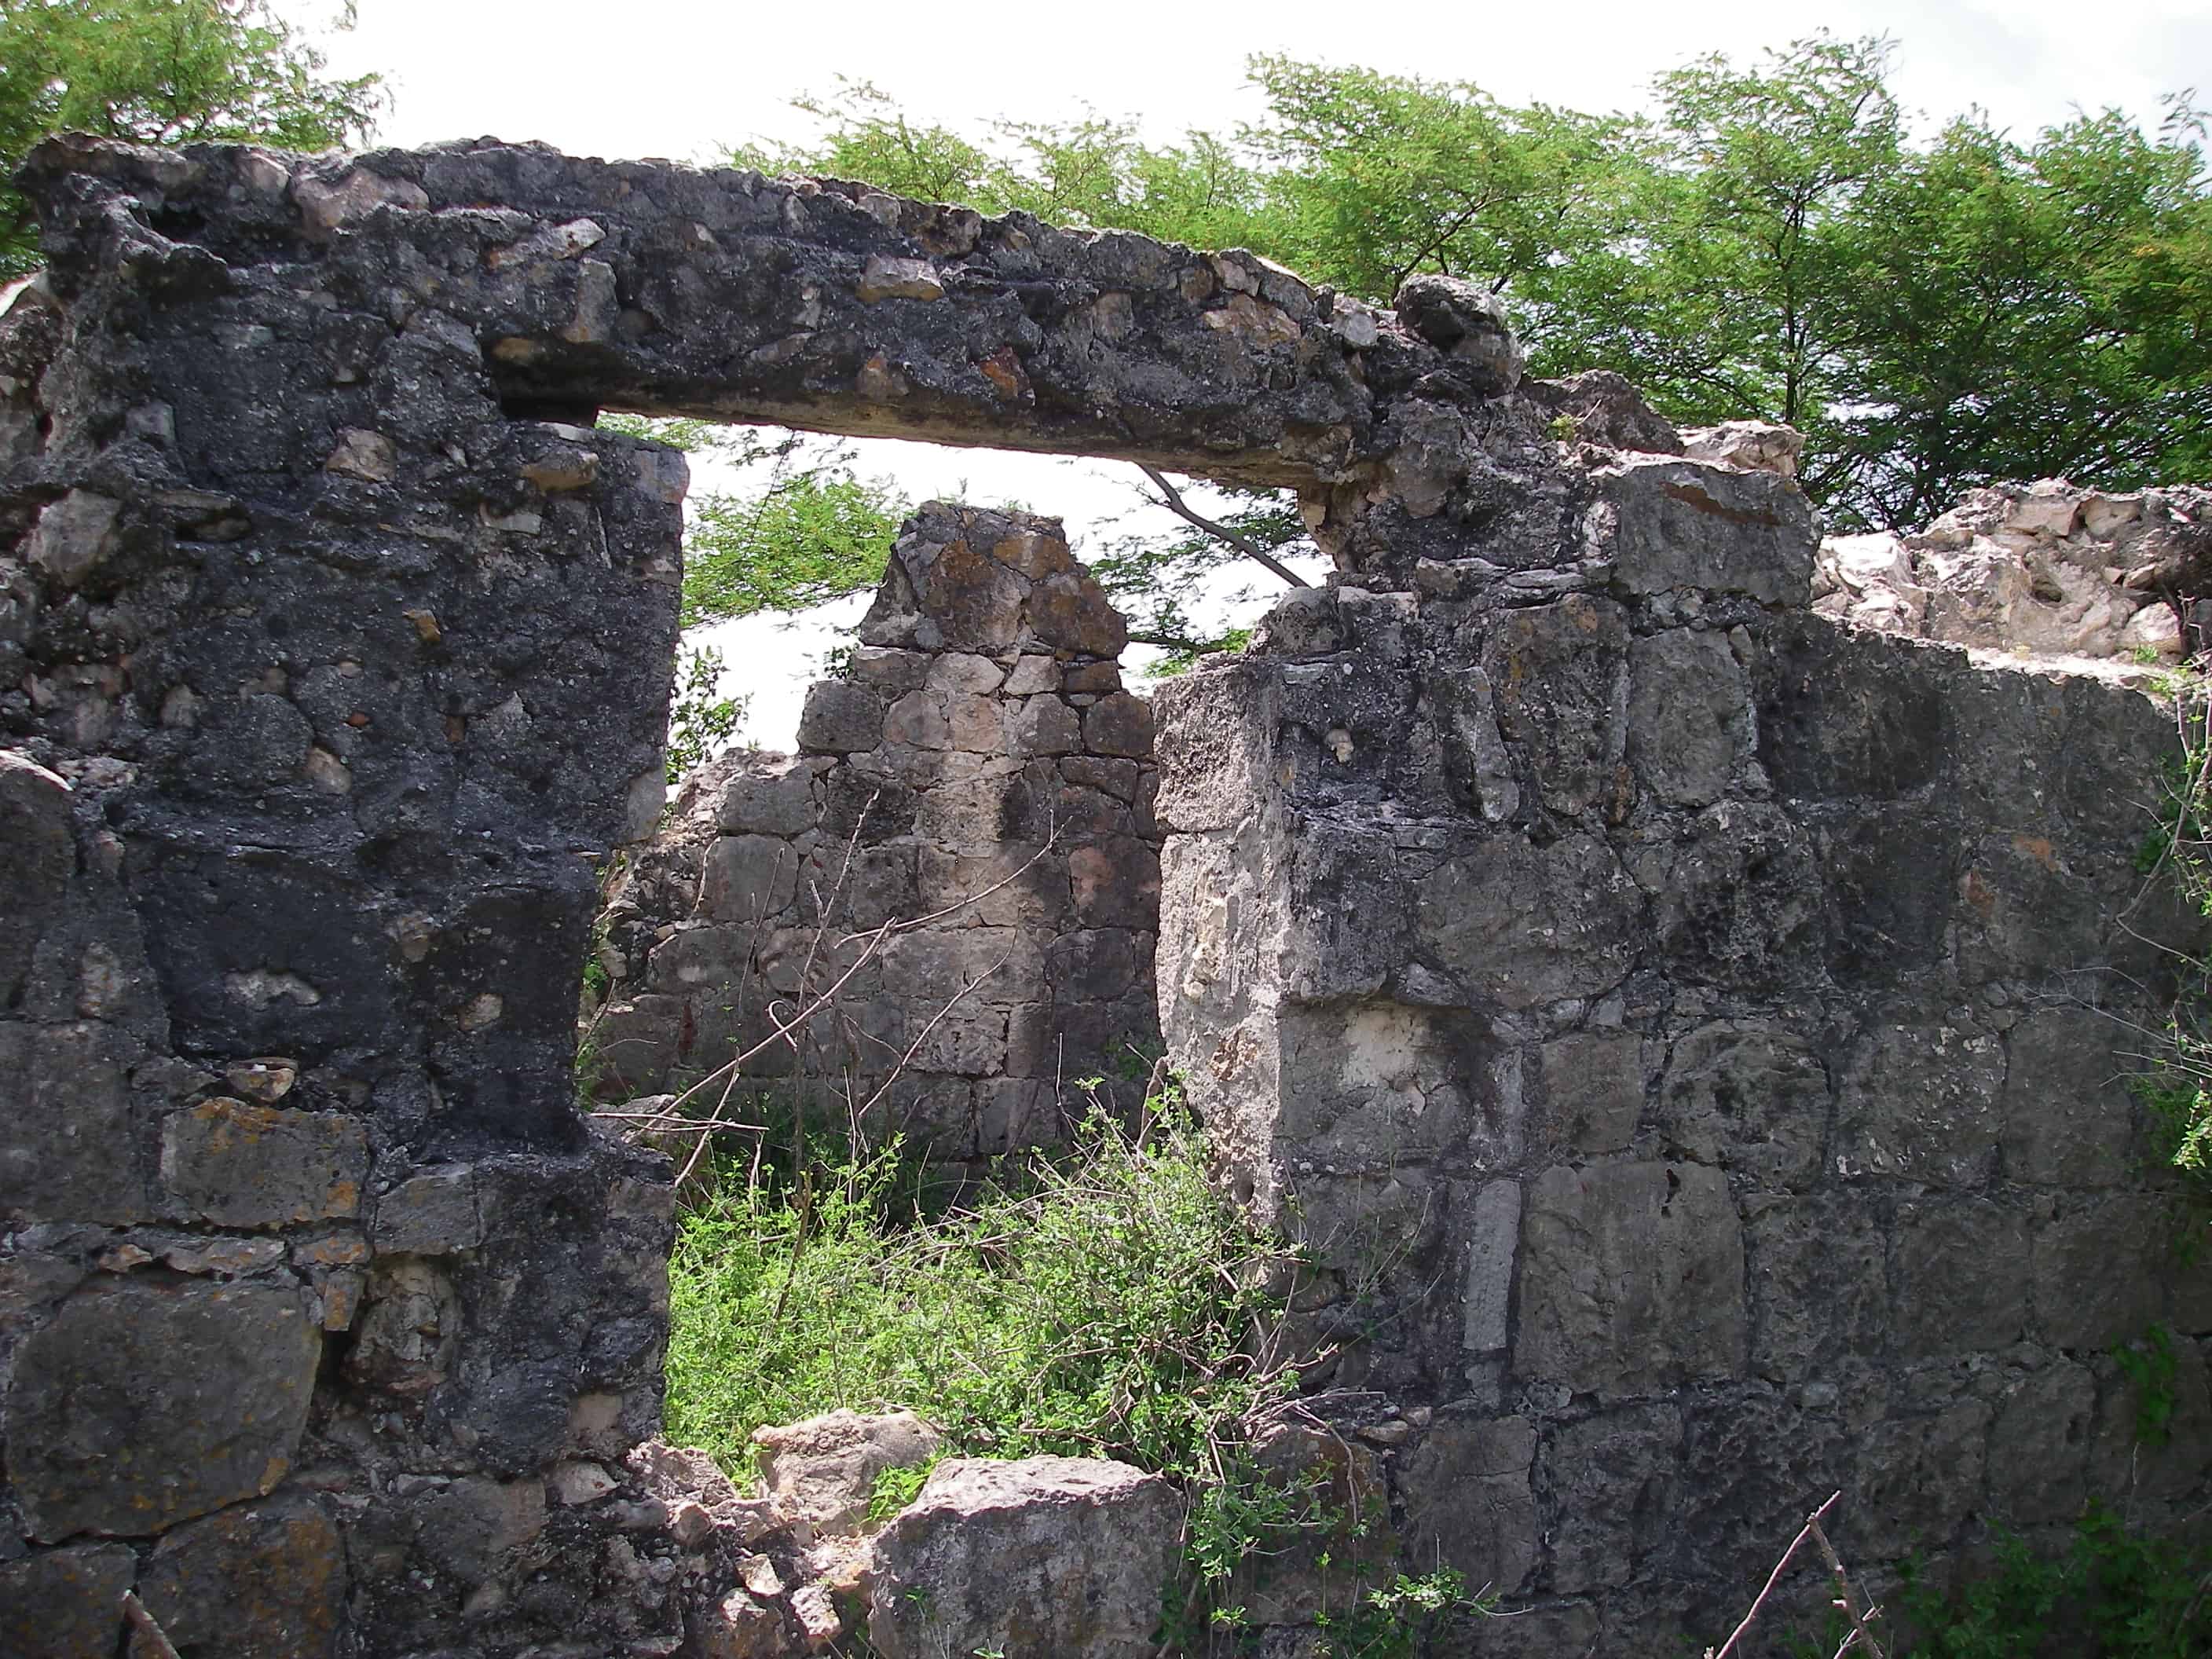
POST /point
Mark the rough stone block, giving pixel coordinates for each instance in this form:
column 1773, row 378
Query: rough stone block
column 1468, row 1502
column 1095, row 964
column 2096, row 1266
column 433, row 1213
column 65, row 1604
column 822, row 1471
column 964, row 671
column 1368, row 1084
column 1120, row 724
column 469, row 1528
column 1666, row 524
column 777, row 800
column 260, row 1580
column 410, row 1326
column 143, row 1404
column 1819, row 1283
column 1689, row 715
column 2067, row 1119
column 1957, row 1270
column 925, row 970
column 1615, row 1479
column 1528, row 924
column 1042, row 726
column 967, row 1041
column 68, row 1128
column 1593, row 1091
column 1919, row 1477
column 1921, row 1101
column 1116, row 885
column 2042, row 1430
column 1493, row 1236
column 1631, row 1278
column 1748, row 1096
column 242, row 1165
column 840, row 718
column 1559, row 680
column 74, row 536
column 890, row 670
column 1016, row 884
column 748, row 878
column 1042, row 1555
column 38, row 856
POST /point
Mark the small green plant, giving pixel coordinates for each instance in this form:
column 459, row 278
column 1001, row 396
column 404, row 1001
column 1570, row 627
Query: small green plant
column 2150, row 1365
column 1565, row 427
column 699, row 719
column 1110, row 1301
column 897, row 1488
column 1395, row 1621
column 2175, row 1084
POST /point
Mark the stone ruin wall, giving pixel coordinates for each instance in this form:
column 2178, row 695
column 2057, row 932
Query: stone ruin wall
column 1685, row 1028
column 1690, row 1035
column 980, row 784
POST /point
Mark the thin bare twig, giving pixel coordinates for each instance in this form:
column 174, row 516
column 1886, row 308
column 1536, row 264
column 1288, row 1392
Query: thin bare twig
column 1812, row 1522
column 1243, row 543
column 145, row 1625
column 1845, row 1598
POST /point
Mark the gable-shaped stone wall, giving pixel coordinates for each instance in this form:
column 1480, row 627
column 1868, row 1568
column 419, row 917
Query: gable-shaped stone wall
column 937, row 920
column 1680, row 1023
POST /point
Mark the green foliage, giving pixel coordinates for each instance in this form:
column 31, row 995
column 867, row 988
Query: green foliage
column 2175, row 1085
column 1090, row 172
column 1111, row 1301
column 803, row 531
column 1397, row 1620
column 895, row 1489
column 700, row 719
column 1770, row 244
column 1098, row 1306
column 1154, row 578
column 2150, row 1365
column 810, row 536
column 2114, row 1594
column 162, row 72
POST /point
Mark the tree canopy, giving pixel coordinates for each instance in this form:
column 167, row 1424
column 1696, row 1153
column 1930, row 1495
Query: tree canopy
column 1769, row 241
column 161, row 72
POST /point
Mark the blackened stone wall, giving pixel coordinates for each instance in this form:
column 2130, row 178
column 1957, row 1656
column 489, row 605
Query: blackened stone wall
column 325, row 684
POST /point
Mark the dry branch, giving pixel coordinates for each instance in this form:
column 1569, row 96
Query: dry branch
column 1846, row 1598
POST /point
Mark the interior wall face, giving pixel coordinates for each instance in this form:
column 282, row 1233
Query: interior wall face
column 1685, row 1030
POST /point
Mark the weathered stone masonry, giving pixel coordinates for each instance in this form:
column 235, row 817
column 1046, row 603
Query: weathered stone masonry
column 982, row 785
column 1677, row 1020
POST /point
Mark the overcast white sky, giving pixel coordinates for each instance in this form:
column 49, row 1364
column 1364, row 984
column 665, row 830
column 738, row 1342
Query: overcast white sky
column 683, row 79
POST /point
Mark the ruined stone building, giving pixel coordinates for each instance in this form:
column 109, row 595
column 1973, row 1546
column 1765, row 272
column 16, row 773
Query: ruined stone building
column 1685, row 1025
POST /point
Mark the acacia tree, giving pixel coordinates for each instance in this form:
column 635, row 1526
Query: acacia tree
column 1768, row 242
column 2027, row 310
column 162, row 72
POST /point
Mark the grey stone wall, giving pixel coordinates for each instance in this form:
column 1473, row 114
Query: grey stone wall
column 1689, row 1035
column 1685, row 1029
column 947, row 899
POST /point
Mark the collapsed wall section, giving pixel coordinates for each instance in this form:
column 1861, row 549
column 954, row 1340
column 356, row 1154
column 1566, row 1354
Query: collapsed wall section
column 1688, row 1035
column 937, row 920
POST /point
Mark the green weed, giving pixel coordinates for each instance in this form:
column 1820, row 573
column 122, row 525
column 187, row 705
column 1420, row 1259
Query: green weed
column 2114, row 1594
